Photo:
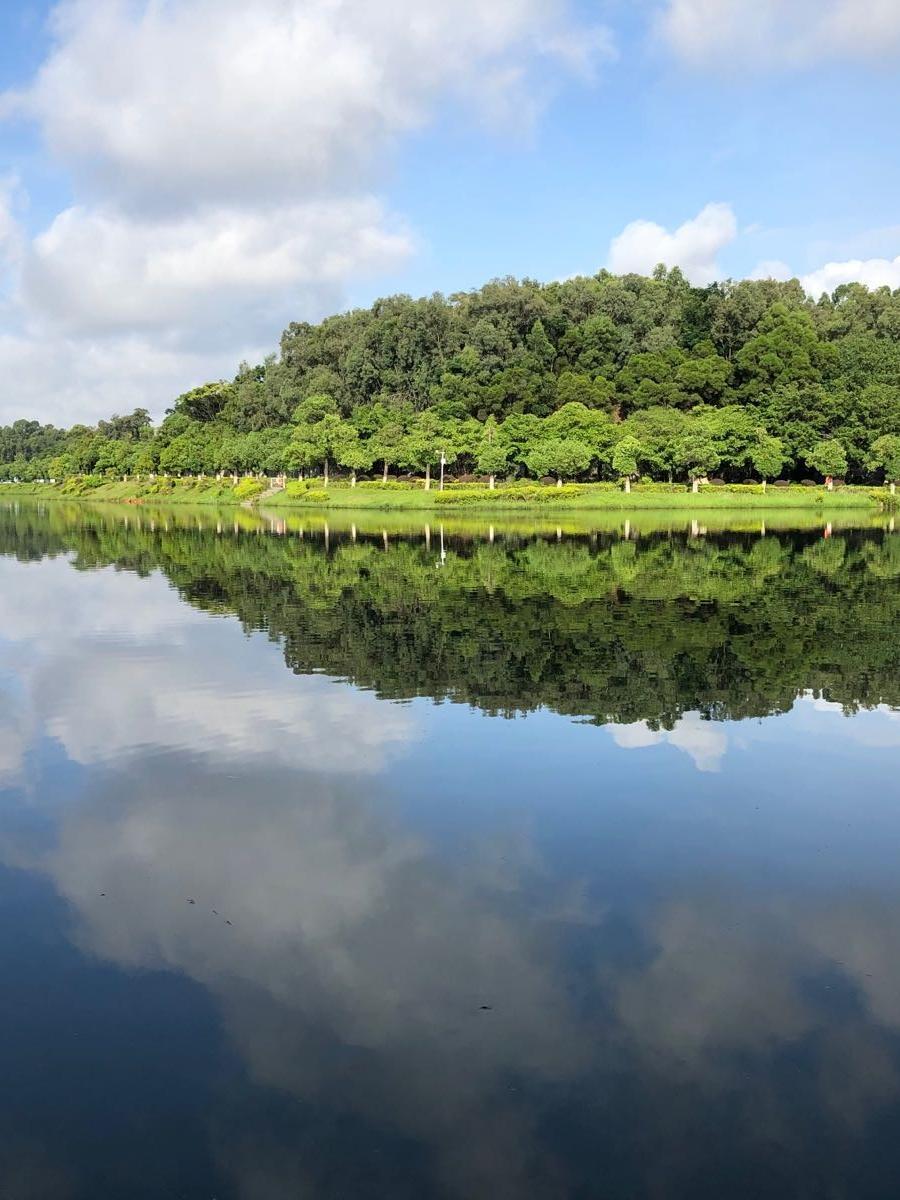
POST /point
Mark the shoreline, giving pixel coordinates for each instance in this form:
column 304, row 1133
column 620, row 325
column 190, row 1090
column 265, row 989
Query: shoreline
column 585, row 498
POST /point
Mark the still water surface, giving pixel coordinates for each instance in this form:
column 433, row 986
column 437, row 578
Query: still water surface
column 455, row 863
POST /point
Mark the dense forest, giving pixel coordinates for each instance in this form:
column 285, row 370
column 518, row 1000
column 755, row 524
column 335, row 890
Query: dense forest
column 603, row 377
column 597, row 627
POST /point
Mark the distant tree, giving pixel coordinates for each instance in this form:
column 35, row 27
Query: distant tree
column 428, row 440
column 767, row 455
column 885, row 454
column 829, row 458
column 320, row 426
column 129, row 428
column 562, row 457
column 146, row 459
column 696, row 452
column 331, row 436
column 203, row 403
column 356, row 455
column 582, row 389
column 387, row 445
column 626, row 455
column 301, row 454
column 491, row 454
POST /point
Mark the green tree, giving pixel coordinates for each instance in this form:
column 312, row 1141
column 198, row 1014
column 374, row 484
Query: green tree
column 356, row 455
column 626, row 455
column 828, row 458
column 301, row 454
column 767, row 455
column 572, row 388
column 697, row 453
column 562, row 457
column 203, row 403
column 885, row 454
column 492, row 455
column 387, row 444
column 331, row 436
column 427, row 442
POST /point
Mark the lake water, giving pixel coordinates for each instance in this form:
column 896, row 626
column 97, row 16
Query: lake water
column 373, row 861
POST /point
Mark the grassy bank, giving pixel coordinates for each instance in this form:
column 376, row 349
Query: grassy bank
column 579, row 497
column 408, row 497
column 187, row 491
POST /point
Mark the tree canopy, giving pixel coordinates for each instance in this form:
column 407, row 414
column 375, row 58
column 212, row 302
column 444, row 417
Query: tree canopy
column 753, row 377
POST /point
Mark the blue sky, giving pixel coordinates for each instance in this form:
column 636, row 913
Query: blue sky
column 178, row 180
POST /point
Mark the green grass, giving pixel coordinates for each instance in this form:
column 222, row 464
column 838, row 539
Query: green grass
column 188, row 491
column 409, row 497
column 586, row 497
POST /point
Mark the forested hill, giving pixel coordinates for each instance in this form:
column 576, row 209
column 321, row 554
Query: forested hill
column 592, row 377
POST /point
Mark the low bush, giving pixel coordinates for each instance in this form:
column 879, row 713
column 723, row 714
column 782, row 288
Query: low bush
column 77, row 485
column 653, row 486
column 392, row 485
column 737, row 489
column 519, row 494
column 247, row 488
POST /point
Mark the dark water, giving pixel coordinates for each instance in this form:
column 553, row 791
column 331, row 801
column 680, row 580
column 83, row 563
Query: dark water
column 409, row 867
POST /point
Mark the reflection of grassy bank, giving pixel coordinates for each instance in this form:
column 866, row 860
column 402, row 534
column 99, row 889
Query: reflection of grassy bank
column 616, row 624
column 468, row 524
column 565, row 524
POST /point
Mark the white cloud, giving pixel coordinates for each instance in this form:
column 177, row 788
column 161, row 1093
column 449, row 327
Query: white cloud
column 224, row 160
column 693, row 246
column 873, row 272
column 221, row 274
column 704, row 741
column 779, row 33
column 771, row 268
column 11, row 242
column 10, row 234
column 66, row 379
column 221, row 100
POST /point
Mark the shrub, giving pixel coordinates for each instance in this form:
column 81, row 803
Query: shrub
column 296, row 487
column 392, row 485
column 316, row 495
column 650, row 486
column 518, row 494
column 736, row 489
column 247, row 488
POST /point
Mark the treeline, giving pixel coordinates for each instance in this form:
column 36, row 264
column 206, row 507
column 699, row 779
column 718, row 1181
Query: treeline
column 599, row 377
column 598, row 627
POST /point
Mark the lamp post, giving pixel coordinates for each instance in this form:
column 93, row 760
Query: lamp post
column 443, row 464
